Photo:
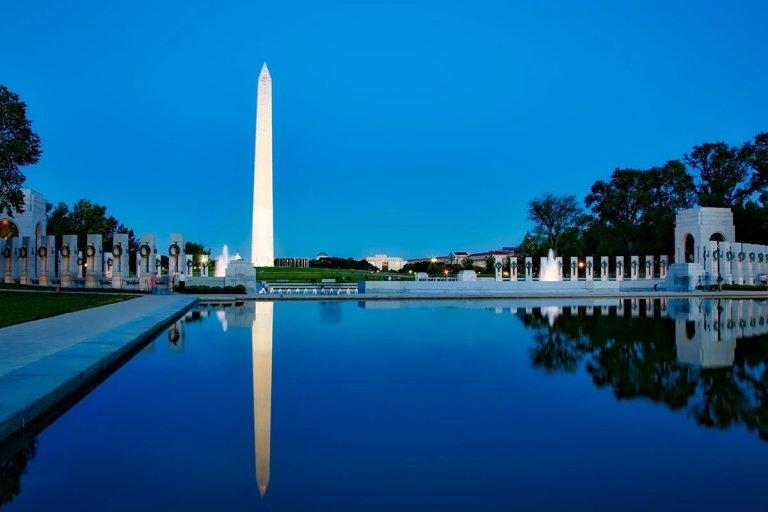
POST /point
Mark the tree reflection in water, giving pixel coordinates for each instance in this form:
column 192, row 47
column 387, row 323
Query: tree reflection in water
column 12, row 467
column 645, row 356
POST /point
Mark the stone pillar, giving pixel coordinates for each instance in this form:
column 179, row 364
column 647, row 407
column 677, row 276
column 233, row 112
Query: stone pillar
column 11, row 268
column 620, row 268
column 663, row 264
column 739, row 263
column 603, row 268
column 94, row 260
column 634, row 267
column 498, row 267
column 649, row 267
column 146, row 257
column 559, row 260
column 542, row 265
column 574, row 268
column 513, row 269
column 188, row 264
column 119, row 257
column 750, row 264
column 68, row 261
column 726, row 267
column 590, row 268
column 46, row 254
column 528, row 268
column 25, row 255
column 176, row 256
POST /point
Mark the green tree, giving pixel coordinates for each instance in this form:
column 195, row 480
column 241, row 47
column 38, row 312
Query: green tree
column 19, row 146
column 196, row 250
column 725, row 174
column 86, row 218
column 467, row 264
column 490, row 263
column 553, row 216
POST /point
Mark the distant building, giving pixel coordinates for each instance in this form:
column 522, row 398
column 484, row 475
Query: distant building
column 457, row 257
column 384, row 262
column 478, row 258
column 292, row 262
column 321, row 256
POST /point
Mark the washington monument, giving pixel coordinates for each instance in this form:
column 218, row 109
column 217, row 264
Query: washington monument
column 262, row 237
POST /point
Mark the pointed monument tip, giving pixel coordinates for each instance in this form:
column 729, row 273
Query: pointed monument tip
column 264, row 69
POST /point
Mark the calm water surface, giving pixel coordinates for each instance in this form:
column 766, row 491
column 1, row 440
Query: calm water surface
column 489, row 405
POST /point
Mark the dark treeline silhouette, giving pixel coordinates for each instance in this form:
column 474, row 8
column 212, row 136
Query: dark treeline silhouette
column 633, row 212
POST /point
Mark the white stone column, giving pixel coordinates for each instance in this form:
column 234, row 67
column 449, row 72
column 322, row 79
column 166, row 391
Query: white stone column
column 663, row 264
column 68, row 266
column 46, row 254
column 11, row 260
column 590, row 268
column 528, row 268
column 604, row 268
column 542, row 265
column 24, row 255
column 750, row 264
column 726, row 262
column 649, row 267
column 634, row 267
column 513, row 269
column 94, row 260
column 574, row 268
column 738, row 263
column 146, row 258
column 188, row 264
column 559, row 260
column 119, row 256
column 176, row 256
column 619, row 268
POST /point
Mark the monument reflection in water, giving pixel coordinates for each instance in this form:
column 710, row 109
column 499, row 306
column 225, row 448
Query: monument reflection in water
column 397, row 385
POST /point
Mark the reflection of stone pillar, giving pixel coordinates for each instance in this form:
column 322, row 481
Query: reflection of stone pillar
column 528, row 268
column 649, row 267
column 603, row 268
column 634, row 267
column 574, row 268
column 620, row 308
column 261, row 348
column 619, row 268
column 634, row 304
column 589, row 268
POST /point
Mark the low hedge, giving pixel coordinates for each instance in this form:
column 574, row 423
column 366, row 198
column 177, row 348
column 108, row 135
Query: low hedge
column 746, row 287
column 211, row 289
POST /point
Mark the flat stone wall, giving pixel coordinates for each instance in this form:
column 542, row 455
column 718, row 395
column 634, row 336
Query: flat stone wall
column 500, row 287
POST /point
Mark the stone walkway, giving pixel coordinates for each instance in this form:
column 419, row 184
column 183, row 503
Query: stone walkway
column 43, row 361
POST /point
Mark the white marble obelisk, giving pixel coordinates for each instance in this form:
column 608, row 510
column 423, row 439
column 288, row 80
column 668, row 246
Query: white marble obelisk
column 262, row 238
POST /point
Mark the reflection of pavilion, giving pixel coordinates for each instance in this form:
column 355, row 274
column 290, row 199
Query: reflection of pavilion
column 261, row 347
column 706, row 331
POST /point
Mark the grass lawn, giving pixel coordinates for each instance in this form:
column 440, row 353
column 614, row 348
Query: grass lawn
column 306, row 274
column 18, row 307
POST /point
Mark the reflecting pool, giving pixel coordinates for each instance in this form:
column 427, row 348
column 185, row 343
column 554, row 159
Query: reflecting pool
column 424, row 405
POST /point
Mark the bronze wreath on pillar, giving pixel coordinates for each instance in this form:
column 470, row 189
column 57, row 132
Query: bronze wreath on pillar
column 145, row 250
column 117, row 250
column 42, row 251
column 23, row 251
column 65, row 251
column 90, row 250
column 174, row 249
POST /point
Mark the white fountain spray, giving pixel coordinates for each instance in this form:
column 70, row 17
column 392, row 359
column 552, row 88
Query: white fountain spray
column 550, row 270
column 221, row 262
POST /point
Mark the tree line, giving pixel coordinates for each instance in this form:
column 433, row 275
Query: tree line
column 633, row 212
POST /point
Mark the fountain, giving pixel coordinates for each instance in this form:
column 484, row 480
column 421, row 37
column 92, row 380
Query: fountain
column 550, row 269
column 221, row 262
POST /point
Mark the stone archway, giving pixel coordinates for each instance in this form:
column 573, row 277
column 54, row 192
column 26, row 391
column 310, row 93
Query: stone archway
column 8, row 229
column 689, row 248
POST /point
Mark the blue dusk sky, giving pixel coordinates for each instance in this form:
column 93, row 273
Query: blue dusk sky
column 410, row 128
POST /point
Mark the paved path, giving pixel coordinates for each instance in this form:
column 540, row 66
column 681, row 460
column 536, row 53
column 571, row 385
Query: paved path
column 43, row 361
